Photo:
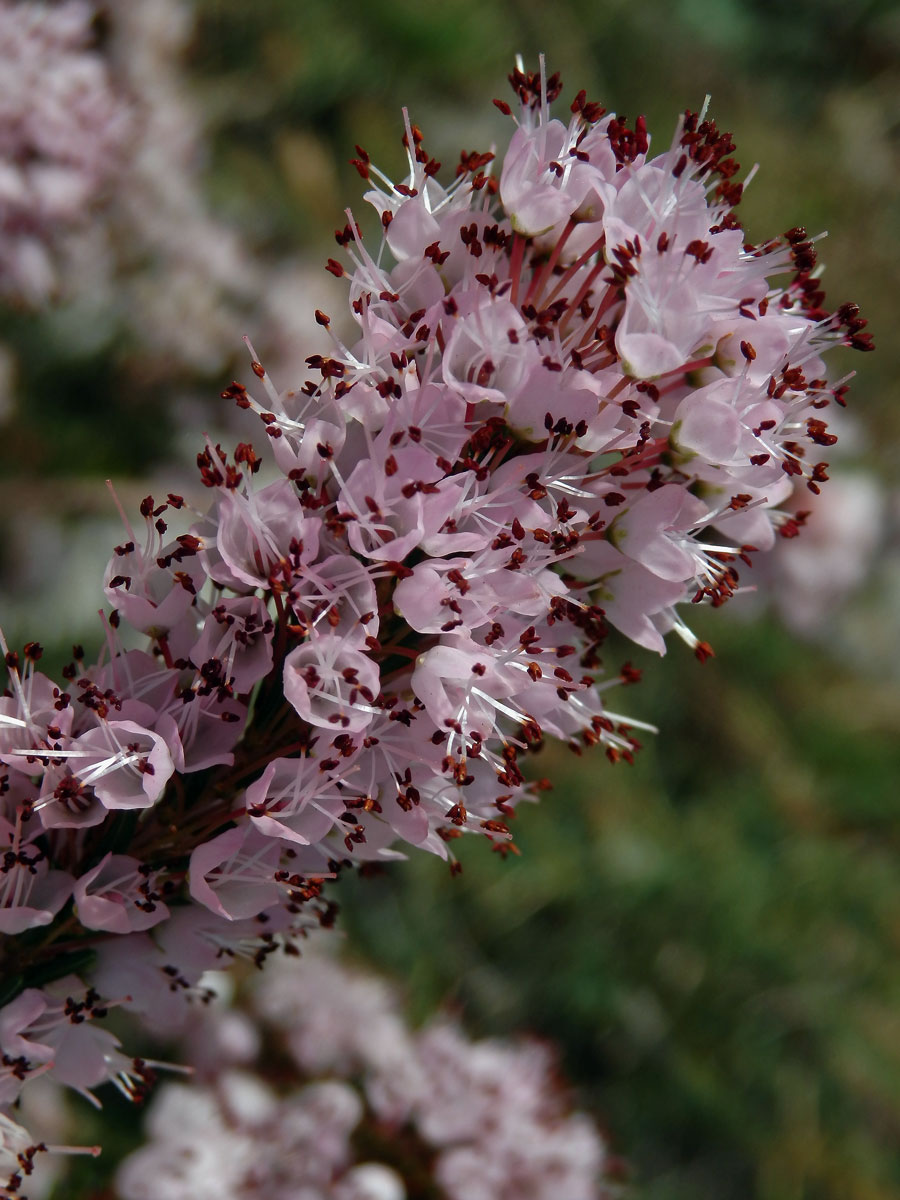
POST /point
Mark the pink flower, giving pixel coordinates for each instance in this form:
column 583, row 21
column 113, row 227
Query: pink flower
column 331, row 684
column 489, row 354
column 237, row 634
column 297, row 800
column 31, row 893
column 256, row 531
column 114, row 765
column 234, row 874
column 118, row 895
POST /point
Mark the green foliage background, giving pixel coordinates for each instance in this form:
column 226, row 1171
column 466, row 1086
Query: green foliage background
column 712, row 936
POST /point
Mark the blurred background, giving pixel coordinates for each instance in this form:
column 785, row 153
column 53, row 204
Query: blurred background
column 712, row 935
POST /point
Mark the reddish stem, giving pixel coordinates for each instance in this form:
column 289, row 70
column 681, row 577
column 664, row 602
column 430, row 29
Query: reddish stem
column 540, row 277
column 515, row 265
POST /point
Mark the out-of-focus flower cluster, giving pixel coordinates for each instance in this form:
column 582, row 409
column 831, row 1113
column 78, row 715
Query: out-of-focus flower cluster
column 178, row 274
column 574, row 399
column 101, row 205
column 62, row 133
column 483, row 1120
column 843, row 532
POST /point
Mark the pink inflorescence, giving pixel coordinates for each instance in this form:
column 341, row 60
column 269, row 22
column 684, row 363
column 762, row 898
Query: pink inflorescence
column 466, row 1120
column 573, row 399
column 62, row 130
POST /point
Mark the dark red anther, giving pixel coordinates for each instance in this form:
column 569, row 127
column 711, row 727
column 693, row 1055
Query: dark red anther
column 817, row 432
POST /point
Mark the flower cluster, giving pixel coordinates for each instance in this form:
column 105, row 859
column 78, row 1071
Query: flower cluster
column 101, row 203
column 573, row 399
column 176, row 274
column 843, row 531
column 238, row 1138
column 483, row 1120
column 62, row 129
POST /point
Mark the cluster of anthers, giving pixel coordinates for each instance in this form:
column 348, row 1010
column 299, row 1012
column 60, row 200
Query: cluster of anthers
column 573, row 400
